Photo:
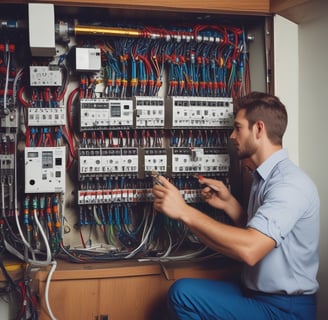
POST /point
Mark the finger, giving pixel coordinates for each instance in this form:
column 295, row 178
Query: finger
column 158, row 191
column 206, row 189
column 211, row 183
column 207, row 195
column 166, row 183
column 207, row 181
column 207, row 192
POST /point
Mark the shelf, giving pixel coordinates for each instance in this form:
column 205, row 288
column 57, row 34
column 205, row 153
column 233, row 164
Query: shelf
column 131, row 268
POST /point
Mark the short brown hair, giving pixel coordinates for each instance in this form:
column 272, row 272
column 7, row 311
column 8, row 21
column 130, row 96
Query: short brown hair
column 267, row 108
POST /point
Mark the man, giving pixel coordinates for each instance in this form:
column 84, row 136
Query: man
column 277, row 240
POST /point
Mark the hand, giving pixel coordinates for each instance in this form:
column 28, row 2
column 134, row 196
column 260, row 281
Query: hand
column 215, row 193
column 168, row 199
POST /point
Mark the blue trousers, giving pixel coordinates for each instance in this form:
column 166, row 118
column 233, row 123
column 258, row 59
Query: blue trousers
column 201, row 299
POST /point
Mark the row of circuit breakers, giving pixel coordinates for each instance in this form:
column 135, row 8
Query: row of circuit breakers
column 45, row 166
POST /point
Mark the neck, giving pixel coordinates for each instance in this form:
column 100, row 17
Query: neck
column 259, row 157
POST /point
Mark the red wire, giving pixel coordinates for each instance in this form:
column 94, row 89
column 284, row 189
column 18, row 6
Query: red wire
column 82, row 240
column 69, row 106
column 24, row 299
column 69, row 139
column 21, row 98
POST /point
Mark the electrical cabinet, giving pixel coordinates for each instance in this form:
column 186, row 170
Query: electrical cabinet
column 127, row 95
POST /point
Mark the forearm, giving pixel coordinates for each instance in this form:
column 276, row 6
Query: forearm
column 216, row 235
column 235, row 242
column 236, row 212
column 217, row 195
column 248, row 245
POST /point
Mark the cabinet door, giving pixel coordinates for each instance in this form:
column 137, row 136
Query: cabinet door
column 71, row 299
column 137, row 298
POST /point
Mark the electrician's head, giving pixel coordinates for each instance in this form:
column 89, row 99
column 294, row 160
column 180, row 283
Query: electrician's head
column 266, row 108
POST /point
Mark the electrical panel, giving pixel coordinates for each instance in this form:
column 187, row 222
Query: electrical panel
column 91, row 112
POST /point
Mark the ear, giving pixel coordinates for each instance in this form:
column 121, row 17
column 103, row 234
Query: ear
column 260, row 128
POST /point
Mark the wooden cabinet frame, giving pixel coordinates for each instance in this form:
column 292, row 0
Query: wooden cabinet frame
column 213, row 6
column 120, row 289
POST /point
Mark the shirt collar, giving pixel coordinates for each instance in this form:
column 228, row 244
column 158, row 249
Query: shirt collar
column 266, row 167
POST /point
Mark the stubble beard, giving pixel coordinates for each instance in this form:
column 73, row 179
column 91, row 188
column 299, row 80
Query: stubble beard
column 247, row 151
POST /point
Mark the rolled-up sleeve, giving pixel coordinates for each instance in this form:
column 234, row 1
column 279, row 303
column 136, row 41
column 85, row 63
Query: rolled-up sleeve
column 279, row 205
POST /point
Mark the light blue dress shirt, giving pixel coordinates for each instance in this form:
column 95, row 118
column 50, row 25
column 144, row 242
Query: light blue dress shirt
column 284, row 205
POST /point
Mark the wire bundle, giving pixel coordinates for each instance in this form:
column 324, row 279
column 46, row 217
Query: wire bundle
column 202, row 60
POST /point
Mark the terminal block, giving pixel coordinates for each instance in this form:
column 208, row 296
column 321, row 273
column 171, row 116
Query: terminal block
column 131, row 195
column 46, row 117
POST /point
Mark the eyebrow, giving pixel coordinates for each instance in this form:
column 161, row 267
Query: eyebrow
column 237, row 123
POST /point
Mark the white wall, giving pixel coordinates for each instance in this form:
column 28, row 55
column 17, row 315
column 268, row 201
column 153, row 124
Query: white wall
column 306, row 99
column 286, row 79
column 313, row 117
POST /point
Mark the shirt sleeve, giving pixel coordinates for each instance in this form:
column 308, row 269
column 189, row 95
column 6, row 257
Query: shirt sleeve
column 281, row 204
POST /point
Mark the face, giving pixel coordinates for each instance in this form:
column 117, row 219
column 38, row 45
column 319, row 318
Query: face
column 242, row 137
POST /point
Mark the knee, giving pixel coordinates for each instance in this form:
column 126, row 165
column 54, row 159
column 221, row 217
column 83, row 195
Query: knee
column 178, row 290
column 177, row 297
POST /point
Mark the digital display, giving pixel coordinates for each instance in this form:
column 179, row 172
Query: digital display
column 47, row 159
column 32, row 154
column 116, row 110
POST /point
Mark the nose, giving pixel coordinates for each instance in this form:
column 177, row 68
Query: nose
column 232, row 135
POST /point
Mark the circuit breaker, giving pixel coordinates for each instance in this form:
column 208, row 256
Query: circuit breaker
column 106, row 113
column 206, row 112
